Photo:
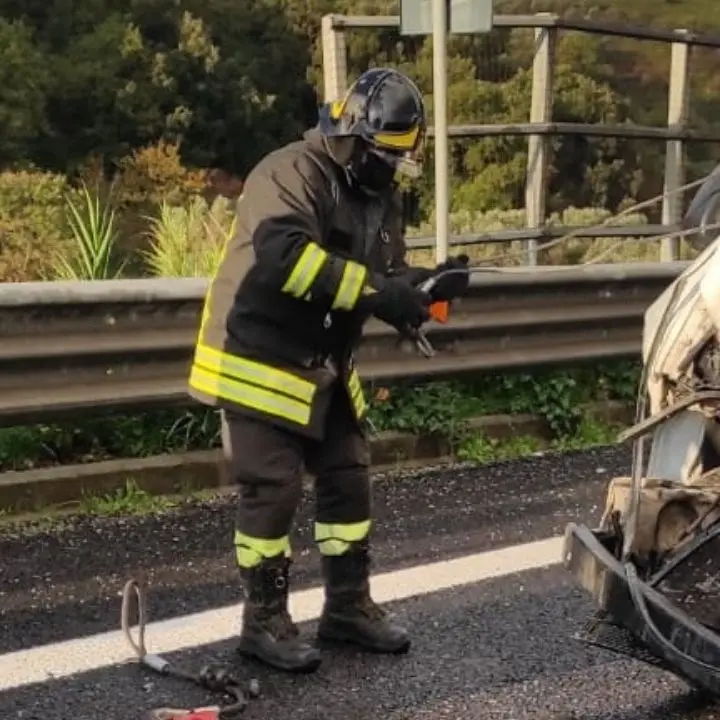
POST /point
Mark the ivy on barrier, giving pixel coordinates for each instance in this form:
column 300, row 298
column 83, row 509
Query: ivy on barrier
column 437, row 408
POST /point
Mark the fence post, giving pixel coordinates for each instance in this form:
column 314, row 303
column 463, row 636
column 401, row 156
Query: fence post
column 538, row 145
column 678, row 97
column 334, row 53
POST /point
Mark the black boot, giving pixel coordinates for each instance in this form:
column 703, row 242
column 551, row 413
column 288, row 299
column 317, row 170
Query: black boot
column 268, row 632
column 350, row 615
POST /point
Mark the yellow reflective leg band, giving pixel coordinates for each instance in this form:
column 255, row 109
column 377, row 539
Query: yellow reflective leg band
column 351, row 284
column 336, row 538
column 356, row 394
column 306, row 270
column 251, row 551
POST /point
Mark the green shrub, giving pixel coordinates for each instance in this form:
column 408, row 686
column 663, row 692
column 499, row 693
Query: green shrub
column 153, row 175
column 32, row 224
column 149, row 178
column 556, row 394
column 106, row 437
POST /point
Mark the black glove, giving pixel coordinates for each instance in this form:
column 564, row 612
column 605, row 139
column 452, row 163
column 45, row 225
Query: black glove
column 397, row 303
column 454, row 283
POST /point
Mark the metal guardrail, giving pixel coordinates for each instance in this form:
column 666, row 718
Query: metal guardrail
column 541, row 123
column 551, row 23
column 71, row 348
column 551, row 20
column 549, row 232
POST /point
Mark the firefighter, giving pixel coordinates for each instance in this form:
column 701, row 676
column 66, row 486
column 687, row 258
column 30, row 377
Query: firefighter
column 318, row 249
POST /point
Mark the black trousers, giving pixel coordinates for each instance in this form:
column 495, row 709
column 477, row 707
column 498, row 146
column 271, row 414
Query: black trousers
column 267, row 464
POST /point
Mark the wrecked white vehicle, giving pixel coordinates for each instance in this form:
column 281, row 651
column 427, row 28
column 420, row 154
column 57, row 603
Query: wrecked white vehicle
column 653, row 564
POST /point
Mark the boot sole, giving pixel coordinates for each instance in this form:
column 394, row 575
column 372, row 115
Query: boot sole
column 350, row 641
column 248, row 649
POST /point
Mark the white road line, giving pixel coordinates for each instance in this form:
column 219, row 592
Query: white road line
column 70, row 657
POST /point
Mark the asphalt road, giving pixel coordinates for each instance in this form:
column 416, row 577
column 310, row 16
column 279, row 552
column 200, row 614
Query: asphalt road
column 500, row 649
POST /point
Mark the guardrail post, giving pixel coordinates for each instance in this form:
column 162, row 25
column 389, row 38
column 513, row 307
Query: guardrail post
column 334, row 52
column 538, row 145
column 678, row 97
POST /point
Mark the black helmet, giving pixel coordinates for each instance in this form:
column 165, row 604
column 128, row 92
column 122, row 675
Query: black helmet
column 385, row 109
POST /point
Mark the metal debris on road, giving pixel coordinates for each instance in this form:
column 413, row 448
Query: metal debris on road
column 215, row 678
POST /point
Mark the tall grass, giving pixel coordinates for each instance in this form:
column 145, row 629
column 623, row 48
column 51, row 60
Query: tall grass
column 93, row 224
column 188, row 241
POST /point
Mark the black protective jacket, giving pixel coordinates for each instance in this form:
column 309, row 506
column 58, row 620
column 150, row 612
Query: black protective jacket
column 280, row 322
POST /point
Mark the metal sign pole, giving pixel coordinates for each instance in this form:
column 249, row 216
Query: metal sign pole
column 437, row 17
column 440, row 122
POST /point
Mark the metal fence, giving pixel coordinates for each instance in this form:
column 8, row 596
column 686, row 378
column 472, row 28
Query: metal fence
column 72, row 348
column 541, row 127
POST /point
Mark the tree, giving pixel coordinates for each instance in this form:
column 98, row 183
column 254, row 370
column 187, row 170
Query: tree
column 22, row 92
column 225, row 78
column 255, row 97
column 227, row 82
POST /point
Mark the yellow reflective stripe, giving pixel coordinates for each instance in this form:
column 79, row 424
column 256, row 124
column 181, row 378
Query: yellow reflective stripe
column 223, row 255
column 306, row 270
column 337, row 107
column 250, row 551
column 333, row 547
column 356, row 393
column 349, row 532
column 249, row 396
column 354, row 381
column 399, row 141
column 257, row 373
column 359, row 404
column 351, row 284
column 336, row 538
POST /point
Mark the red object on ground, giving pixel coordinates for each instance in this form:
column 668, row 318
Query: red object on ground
column 201, row 714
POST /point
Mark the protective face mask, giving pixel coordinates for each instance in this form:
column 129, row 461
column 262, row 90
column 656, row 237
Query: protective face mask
column 372, row 173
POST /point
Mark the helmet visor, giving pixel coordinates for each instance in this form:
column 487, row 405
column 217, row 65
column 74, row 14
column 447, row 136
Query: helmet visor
column 403, row 151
